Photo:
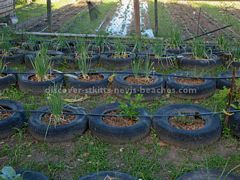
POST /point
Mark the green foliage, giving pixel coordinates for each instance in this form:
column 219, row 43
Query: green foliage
column 199, row 48
column 100, row 42
column 235, row 50
column 83, row 59
column 159, row 49
column 175, row 40
column 220, row 98
column 5, row 44
column 130, row 109
column 223, row 43
column 120, row 48
column 42, row 65
column 148, row 68
column 61, row 43
column 136, row 67
column 2, row 66
column 55, row 103
column 8, row 173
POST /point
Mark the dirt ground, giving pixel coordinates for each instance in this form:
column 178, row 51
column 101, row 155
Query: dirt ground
column 194, row 21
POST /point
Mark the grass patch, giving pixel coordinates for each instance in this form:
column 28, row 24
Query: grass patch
column 81, row 23
column 165, row 22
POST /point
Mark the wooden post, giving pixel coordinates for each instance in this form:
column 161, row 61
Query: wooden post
column 156, row 16
column 49, row 15
column 137, row 17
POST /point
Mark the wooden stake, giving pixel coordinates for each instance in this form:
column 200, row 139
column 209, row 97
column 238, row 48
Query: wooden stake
column 49, row 15
column 156, row 16
column 137, row 17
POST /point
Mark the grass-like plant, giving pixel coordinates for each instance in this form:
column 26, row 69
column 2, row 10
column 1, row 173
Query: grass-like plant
column 5, row 44
column 175, row 40
column 100, row 42
column 159, row 49
column 56, row 104
column 61, row 43
column 148, row 68
column 120, row 49
column 42, row 65
column 130, row 109
column 83, row 60
column 235, row 51
column 223, row 43
column 136, row 67
column 199, row 48
column 2, row 67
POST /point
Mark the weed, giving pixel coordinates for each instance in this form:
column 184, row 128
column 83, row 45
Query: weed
column 131, row 108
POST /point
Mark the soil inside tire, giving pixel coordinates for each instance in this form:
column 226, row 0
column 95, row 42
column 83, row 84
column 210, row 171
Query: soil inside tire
column 140, row 80
column 49, row 119
column 92, row 78
column 115, row 120
column 187, row 123
column 5, row 115
column 35, row 79
column 189, row 81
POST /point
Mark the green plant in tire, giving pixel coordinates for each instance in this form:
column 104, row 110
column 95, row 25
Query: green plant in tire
column 42, row 65
column 235, row 51
column 61, row 43
column 223, row 43
column 136, row 67
column 2, row 67
column 130, row 109
column 159, row 49
column 100, row 42
column 56, row 105
column 83, row 60
column 175, row 40
column 199, row 49
column 8, row 173
column 120, row 50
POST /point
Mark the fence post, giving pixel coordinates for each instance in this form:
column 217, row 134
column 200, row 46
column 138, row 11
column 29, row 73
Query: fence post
column 137, row 17
column 49, row 15
column 156, row 16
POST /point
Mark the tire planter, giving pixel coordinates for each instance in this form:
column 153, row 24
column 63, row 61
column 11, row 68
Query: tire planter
column 210, row 133
column 107, row 60
column 186, row 61
column 13, row 60
column 32, row 175
column 234, row 122
column 104, row 174
column 115, row 134
column 8, row 80
column 162, row 62
column 16, row 120
column 59, row 133
column 221, row 83
column 211, row 174
column 33, row 87
column 150, row 91
column 179, row 50
column 193, row 91
column 90, row 87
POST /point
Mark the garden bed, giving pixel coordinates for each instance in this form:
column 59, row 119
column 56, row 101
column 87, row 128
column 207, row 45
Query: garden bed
column 139, row 151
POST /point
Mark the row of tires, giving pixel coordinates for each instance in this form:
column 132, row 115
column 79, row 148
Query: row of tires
column 201, row 174
column 209, row 133
column 107, row 59
column 120, row 86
